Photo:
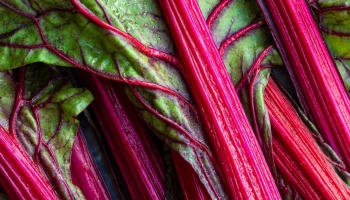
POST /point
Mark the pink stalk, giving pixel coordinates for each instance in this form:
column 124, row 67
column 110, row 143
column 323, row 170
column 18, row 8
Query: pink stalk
column 244, row 169
column 191, row 185
column 313, row 72
column 20, row 177
column 297, row 155
column 84, row 172
column 131, row 146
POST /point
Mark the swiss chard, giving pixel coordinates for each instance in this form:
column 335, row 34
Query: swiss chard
column 228, row 129
column 131, row 146
column 190, row 183
column 40, row 116
column 63, row 34
column 318, row 83
column 248, row 52
column 20, row 177
column 297, row 154
column 332, row 18
column 84, row 171
column 128, row 42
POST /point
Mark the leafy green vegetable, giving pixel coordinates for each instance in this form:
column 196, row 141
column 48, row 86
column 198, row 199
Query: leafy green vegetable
column 43, row 121
column 240, row 159
column 56, row 32
column 241, row 58
column 61, row 35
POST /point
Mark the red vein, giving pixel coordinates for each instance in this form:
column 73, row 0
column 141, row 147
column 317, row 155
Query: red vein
column 217, row 10
column 18, row 100
column 16, row 10
column 313, row 1
column 35, row 110
column 170, row 122
column 87, row 68
column 18, row 103
column 206, row 175
column 23, row 46
column 337, row 8
column 237, row 35
column 118, row 79
column 104, row 12
column 255, row 66
column 193, row 142
column 334, row 32
column 141, row 47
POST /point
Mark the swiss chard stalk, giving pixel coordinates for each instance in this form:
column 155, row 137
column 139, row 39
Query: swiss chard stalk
column 132, row 148
column 298, row 158
column 191, row 185
column 333, row 21
column 319, row 85
column 43, row 121
column 118, row 44
column 20, row 177
column 84, row 172
column 244, row 169
column 147, row 166
column 296, row 153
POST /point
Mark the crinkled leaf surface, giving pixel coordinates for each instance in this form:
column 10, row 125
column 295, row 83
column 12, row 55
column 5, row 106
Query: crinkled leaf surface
column 44, row 121
column 54, row 32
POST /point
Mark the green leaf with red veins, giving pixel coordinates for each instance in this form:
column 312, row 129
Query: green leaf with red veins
column 331, row 3
column 231, row 19
column 7, row 96
column 140, row 18
column 334, row 23
column 87, row 34
column 44, row 122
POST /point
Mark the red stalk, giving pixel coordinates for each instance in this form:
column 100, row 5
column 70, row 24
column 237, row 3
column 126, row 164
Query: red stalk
column 191, row 186
column 313, row 72
column 20, row 177
column 85, row 173
column 133, row 150
column 296, row 153
column 244, row 169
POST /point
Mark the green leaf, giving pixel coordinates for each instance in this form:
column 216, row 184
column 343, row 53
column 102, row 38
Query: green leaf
column 331, row 3
column 45, row 122
column 54, row 32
